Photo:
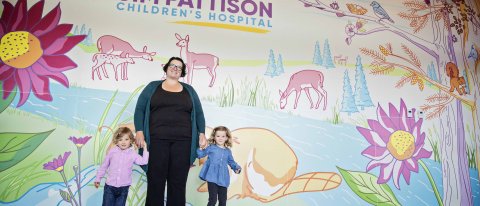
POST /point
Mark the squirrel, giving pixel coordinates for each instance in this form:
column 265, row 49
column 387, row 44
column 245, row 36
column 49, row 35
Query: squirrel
column 456, row 82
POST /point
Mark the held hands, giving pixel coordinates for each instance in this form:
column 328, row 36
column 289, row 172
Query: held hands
column 97, row 184
column 140, row 139
column 202, row 142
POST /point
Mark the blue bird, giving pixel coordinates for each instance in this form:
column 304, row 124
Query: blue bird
column 380, row 12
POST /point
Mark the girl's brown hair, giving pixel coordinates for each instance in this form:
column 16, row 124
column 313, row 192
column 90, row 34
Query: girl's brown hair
column 228, row 142
column 120, row 132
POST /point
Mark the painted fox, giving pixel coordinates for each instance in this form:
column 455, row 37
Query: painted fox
column 456, row 82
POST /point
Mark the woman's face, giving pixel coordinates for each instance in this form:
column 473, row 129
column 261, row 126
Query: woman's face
column 174, row 70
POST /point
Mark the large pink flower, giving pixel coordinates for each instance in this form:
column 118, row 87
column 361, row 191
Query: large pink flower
column 57, row 163
column 32, row 49
column 396, row 143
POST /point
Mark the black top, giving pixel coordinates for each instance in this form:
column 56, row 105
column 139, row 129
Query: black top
column 170, row 115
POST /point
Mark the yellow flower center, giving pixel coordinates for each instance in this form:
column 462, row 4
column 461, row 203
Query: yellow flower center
column 401, row 145
column 79, row 145
column 20, row 49
column 59, row 169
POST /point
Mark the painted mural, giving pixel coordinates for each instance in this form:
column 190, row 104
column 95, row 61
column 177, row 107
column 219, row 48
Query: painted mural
column 330, row 102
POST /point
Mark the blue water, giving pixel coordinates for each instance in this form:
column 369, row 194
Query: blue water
column 319, row 145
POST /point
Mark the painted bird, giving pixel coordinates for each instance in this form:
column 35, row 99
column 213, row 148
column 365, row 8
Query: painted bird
column 380, row 12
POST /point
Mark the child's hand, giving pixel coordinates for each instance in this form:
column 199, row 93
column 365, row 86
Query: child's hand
column 144, row 146
column 238, row 171
column 97, row 184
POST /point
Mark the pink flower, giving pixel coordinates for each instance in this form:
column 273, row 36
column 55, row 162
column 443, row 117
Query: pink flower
column 32, row 50
column 57, row 163
column 79, row 142
column 350, row 29
column 396, row 144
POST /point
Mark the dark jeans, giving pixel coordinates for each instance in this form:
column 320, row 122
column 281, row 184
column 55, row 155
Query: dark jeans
column 215, row 191
column 168, row 164
column 114, row 196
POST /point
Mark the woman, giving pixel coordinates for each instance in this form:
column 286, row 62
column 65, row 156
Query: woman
column 169, row 117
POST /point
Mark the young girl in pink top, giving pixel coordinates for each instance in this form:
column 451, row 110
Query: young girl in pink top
column 118, row 164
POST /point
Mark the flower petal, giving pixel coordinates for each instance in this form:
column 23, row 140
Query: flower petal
column 57, row 76
column 386, row 172
column 406, row 175
column 372, row 137
column 58, row 32
column 379, row 129
column 411, row 164
column 48, row 22
column 41, row 87
column 58, row 63
column 402, row 121
column 422, row 153
column 375, row 163
column 35, row 14
column 24, row 84
column 8, row 86
column 420, row 140
column 64, row 44
column 384, row 119
column 375, row 153
column 19, row 18
column 395, row 116
column 2, row 29
column 5, row 71
column 7, row 13
column 397, row 169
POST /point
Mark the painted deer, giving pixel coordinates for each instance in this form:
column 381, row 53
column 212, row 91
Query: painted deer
column 113, row 45
column 196, row 60
column 343, row 60
column 114, row 60
column 336, row 58
column 304, row 80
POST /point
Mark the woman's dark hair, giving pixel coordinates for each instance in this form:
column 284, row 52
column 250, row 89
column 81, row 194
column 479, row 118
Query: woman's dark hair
column 184, row 72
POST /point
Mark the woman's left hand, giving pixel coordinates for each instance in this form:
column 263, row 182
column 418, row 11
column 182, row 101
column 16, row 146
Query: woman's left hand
column 202, row 142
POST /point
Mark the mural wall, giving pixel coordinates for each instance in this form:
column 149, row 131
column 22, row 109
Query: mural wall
column 330, row 102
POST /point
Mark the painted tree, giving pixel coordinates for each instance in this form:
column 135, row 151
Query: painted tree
column 75, row 31
column 89, row 39
column 317, row 56
column 271, row 67
column 83, row 30
column 442, row 16
column 467, row 86
column 327, row 56
column 280, row 69
column 362, row 96
column 432, row 74
column 348, row 100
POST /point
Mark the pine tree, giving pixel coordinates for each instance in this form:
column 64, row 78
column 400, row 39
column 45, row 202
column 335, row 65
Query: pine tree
column 271, row 65
column 280, row 69
column 348, row 101
column 89, row 40
column 431, row 72
column 362, row 96
column 317, row 56
column 75, row 31
column 82, row 30
column 467, row 88
column 327, row 56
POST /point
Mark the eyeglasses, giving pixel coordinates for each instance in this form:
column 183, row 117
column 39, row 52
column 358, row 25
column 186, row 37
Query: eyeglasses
column 175, row 67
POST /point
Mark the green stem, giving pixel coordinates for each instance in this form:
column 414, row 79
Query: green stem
column 432, row 182
column 69, row 191
column 79, row 188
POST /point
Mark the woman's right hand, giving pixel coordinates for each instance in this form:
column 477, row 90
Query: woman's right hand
column 139, row 139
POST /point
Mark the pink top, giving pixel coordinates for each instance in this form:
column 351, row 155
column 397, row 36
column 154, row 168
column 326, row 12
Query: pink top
column 119, row 164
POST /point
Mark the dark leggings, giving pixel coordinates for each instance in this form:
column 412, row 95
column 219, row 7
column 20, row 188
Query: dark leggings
column 168, row 164
column 215, row 191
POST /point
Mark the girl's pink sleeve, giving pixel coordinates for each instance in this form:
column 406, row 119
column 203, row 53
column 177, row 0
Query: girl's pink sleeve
column 103, row 168
column 142, row 160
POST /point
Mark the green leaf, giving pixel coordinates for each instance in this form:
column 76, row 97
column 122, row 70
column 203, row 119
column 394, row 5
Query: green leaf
column 65, row 196
column 14, row 147
column 366, row 187
column 4, row 103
